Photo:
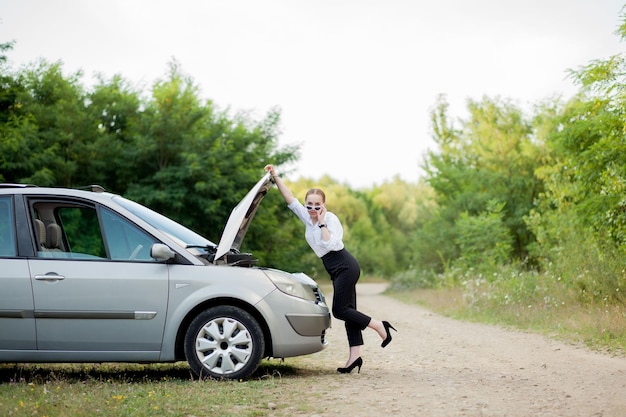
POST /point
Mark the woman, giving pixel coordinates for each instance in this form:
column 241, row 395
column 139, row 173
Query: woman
column 324, row 233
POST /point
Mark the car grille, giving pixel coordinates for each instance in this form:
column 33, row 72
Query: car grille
column 319, row 296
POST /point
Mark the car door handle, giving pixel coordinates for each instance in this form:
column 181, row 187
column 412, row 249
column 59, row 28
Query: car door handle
column 50, row 276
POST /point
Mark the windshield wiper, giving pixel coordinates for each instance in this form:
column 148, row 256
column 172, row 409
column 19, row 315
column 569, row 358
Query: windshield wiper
column 208, row 248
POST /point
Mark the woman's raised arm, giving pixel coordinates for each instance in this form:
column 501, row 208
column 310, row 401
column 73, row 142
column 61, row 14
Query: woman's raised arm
column 284, row 190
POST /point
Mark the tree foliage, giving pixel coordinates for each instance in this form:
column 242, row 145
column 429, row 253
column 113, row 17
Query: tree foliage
column 167, row 149
column 544, row 191
column 488, row 161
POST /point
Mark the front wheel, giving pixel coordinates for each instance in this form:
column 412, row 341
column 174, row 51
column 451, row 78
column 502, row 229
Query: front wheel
column 224, row 342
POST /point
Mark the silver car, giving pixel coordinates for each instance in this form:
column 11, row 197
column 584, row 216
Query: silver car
column 89, row 276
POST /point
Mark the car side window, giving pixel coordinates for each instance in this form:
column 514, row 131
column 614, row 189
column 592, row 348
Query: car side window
column 81, row 232
column 124, row 239
column 7, row 227
column 68, row 230
column 73, row 230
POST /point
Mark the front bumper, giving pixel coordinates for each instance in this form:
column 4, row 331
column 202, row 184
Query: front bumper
column 297, row 327
column 309, row 324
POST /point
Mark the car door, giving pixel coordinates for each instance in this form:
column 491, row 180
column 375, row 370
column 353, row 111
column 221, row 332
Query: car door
column 17, row 322
column 95, row 286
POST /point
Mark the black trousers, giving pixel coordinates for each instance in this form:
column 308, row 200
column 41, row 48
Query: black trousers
column 344, row 272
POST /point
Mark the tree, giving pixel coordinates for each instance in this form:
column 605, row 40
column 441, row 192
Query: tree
column 114, row 111
column 397, row 210
column 579, row 218
column 194, row 163
column 587, row 147
column 484, row 241
column 47, row 127
column 8, row 90
column 490, row 160
column 169, row 150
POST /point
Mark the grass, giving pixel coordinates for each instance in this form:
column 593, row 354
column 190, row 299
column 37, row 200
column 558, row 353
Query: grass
column 68, row 390
column 562, row 316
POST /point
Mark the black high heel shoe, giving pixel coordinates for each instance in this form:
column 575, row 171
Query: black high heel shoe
column 388, row 338
column 358, row 362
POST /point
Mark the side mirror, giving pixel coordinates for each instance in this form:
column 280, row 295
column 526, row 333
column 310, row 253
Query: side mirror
column 161, row 252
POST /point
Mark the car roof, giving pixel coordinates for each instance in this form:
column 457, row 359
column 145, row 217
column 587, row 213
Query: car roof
column 11, row 188
column 13, row 185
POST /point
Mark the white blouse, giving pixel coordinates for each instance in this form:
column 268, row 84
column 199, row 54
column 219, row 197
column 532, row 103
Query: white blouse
column 313, row 234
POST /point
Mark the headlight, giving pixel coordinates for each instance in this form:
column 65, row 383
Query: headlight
column 290, row 285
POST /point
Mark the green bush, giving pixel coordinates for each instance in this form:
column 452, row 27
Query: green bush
column 413, row 278
column 483, row 239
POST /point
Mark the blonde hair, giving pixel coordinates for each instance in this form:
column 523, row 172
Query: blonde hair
column 316, row 191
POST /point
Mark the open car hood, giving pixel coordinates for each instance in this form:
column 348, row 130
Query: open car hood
column 240, row 218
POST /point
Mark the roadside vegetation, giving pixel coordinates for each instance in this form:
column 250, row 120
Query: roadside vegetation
column 76, row 390
column 529, row 224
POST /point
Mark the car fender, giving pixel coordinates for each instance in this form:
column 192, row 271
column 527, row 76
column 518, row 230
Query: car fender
column 208, row 286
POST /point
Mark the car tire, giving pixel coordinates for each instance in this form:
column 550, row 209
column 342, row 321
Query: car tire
column 224, row 342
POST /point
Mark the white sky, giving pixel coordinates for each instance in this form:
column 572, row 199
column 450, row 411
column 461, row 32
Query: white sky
column 354, row 79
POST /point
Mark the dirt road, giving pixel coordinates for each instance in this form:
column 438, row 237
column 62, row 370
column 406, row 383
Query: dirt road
column 436, row 367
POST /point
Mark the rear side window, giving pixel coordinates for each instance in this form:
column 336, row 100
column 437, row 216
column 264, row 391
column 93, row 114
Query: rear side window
column 7, row 227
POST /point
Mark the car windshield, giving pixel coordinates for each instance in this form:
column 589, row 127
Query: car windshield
column 180, row 233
